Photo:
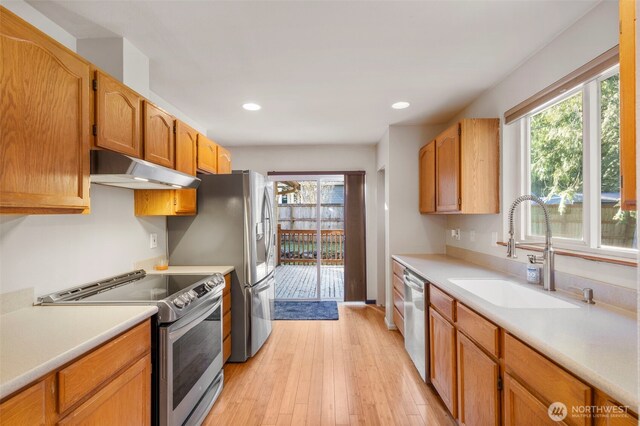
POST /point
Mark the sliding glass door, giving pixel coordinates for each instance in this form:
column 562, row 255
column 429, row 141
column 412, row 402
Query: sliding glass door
column 310, row 246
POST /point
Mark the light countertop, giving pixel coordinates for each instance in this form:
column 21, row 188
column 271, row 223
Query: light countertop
column 597, row 343
column 192, row 270
column 36, row 340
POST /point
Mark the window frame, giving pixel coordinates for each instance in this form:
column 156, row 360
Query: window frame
column 591, row 241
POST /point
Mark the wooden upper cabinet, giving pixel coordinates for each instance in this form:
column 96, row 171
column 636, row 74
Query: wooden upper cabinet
column 158, row 136
column 447, row 152
column 428, row 178
column 442, row 359
column 44, row 122
column 628, row 104
column 207, row 155
column 118, row 112
column 224, row 161
column 466, row 160
column 186, row 146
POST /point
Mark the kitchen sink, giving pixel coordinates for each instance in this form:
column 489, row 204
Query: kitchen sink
column 508, row 294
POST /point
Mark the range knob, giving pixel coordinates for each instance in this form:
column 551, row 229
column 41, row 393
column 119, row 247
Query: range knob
column 209, row 284
column 192, row 295
column 178, row 303
column 185, row 298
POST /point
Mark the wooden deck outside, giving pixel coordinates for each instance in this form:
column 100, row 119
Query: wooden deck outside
column 299, row 282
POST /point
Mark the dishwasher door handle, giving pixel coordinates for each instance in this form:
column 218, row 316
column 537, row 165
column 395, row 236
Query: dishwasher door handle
column 413, row 286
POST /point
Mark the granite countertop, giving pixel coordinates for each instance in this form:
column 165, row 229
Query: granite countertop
column 36, row 340
column 195, row 270
column 597, row 343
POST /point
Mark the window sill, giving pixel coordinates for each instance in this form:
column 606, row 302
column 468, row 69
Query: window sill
column 580, row 255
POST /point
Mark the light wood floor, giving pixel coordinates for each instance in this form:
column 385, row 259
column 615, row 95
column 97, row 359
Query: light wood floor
column 350, row 371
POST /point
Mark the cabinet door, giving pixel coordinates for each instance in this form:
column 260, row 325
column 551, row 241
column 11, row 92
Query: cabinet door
column 117, row 116
column 521, row 408
column 207, row 155
column 477, row 385
column 448, row 170
column 442, row 357
column 124, row 401
column 428, row 178
column 628, row 103
column 44, row 122
column 613, row 414
column 186, row 154
column 224, row 161
column 159, row 144
column 26, row 408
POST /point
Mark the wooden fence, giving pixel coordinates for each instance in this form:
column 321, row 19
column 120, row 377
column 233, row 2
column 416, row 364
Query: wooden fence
column 300, row 247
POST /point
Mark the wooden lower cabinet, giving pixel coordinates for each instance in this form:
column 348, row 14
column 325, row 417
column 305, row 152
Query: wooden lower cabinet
column 610, row 413
column 110, row 385
column 125, row 400
column 442, row 359
column 521, row 407
column 398, row 295
column 26, row 408
column 478, row 394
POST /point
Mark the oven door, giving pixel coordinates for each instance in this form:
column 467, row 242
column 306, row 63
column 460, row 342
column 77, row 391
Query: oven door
column 190, row 360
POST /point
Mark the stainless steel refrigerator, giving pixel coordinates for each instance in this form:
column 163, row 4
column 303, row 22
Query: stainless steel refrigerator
column 234, row 226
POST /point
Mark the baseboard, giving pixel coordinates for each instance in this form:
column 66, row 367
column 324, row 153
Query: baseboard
column 391, row 326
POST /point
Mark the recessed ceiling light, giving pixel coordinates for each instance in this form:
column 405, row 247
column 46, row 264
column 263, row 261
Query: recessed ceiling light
column 250, row 106
column 400, row 105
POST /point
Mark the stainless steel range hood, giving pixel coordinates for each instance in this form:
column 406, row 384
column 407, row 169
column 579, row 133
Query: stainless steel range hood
column 113, row 169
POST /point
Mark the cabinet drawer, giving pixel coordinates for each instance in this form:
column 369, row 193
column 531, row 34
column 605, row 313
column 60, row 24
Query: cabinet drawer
column 26, row 408
column 398, row 269
column 398, row 320
column 398, row 285
column 550, row 382
column 125, row 400
column 398, row 302
column 226, row 324
column 226, row 303
column 227, row 284
column 442, row 302
column 83, row 376
column 485, row 333
column 226, row 348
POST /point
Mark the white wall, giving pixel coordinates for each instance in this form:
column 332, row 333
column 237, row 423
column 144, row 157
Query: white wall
column 297, row 158
column 407, row 230
column 592, row 35
column 52, row 252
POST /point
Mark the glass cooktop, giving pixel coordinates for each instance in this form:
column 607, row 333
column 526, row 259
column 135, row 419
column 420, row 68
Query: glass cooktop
column 149, row 288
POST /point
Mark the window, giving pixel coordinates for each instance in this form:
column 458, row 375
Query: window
column 572, row 159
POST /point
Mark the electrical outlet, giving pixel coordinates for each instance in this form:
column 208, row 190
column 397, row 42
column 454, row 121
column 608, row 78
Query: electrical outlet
column 455, row 234
column 472, row 235
column 153, row 240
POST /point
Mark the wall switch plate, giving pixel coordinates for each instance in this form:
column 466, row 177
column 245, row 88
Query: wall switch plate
column 153, row 240
column 472, row 235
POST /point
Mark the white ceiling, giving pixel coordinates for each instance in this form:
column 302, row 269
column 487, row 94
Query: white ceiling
column 325, row 72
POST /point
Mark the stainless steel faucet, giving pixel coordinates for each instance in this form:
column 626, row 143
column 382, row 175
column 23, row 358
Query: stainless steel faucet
column 547, row 257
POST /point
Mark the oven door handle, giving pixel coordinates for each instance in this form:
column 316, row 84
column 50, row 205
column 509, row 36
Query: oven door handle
column 175, row 333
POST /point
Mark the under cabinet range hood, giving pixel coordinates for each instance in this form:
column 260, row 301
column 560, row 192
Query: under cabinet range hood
column 113, row 169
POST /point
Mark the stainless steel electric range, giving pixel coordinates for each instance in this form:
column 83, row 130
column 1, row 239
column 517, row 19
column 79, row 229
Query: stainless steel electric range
column 187, row 344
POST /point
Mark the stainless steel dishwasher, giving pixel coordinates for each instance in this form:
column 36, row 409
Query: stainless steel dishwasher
column 416, row 302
